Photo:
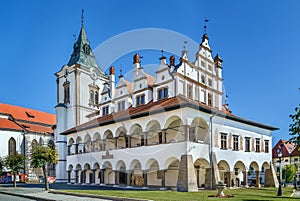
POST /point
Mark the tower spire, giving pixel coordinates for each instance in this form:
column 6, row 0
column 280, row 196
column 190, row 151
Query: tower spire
column 82, row 17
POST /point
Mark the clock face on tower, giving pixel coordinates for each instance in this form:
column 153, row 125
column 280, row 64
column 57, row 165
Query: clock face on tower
column 86, row 48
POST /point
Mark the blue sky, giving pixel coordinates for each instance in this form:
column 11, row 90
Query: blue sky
column 259, row 41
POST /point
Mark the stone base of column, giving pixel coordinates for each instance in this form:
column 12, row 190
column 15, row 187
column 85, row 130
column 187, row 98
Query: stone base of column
column 187, row 181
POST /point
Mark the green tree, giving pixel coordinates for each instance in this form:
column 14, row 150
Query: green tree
column 40, row 157
column 1, row 165
column 294, row 127
column 288, row 172
column 15, row 163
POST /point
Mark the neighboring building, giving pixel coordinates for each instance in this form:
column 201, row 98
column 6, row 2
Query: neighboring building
column 167, row 130
column 19, row 125
column 290, row 155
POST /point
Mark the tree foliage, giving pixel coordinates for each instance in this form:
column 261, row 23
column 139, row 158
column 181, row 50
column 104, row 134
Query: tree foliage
column 15, row 163
column 289, row 172
column 40, row 157
column 294, row 127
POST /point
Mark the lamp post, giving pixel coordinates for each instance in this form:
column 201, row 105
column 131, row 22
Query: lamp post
column 296, row 166
column 279, row 154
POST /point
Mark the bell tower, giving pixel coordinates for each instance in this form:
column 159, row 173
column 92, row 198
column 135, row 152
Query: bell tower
column 79, row 84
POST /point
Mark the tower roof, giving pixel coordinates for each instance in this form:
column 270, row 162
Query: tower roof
column 82, row 52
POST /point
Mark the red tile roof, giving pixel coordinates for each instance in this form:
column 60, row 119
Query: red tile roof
column 158, row 107
column 288, row 148
column 18, row 118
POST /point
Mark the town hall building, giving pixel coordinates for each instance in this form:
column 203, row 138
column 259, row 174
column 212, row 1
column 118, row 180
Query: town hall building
column 167, row 130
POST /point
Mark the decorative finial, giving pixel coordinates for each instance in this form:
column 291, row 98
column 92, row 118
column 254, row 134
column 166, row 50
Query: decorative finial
column 205, row 22
column 112, row 70
column 82, row 17
column 121, row 74
column 162, row 53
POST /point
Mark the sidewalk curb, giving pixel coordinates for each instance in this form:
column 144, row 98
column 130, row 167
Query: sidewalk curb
column 97, row 196
column 26, row 196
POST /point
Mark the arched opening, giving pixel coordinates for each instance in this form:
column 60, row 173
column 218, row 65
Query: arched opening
column 70, row 174
column 239, row 174
column 155, row 134
column 170, row 175
column 78, row 174
column 136, row 173
column 97, row 173
column 97, row 142
column 254, row 174
column 79, row 145
column 122, row 138
column 34, row 143
column 88, row 176
column 152, row 168
column 87, row 144
column 137, row 136
column 174, row 130
column 71, row 147
column 108, row 173
column 198, row 132
column 120, row 173
column 109, row 140
column 202, row 168
column 225, row 174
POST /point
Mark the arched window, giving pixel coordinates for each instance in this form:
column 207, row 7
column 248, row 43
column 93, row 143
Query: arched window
column 91, row 97
column 33, row 144
column 11, row 146
column 66, row 92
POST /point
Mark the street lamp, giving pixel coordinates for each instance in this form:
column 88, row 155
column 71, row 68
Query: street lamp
column 296, row 166
column 279, row 154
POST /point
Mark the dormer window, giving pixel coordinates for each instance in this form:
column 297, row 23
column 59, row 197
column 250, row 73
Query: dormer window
column 105, row 110
column 66, row 86
column 163, row 93
column 121, row 105
column 140, row 100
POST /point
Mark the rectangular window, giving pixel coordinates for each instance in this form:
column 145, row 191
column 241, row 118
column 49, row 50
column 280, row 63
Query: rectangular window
column 140, row 100
column 257, row 145
column 209, row 102
column 202, row 63
column 266, row 146
column 162, row 93
column 190, row 91
column 197, row 93
column 210, row 67
column 105, row 110
column 235, row 143
column 210, row 82
column 223, row 141
column 121, row 105
column 247, row 144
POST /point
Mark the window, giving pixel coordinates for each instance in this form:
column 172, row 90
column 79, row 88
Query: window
column 223, row 141
column 197, row 93
column 140, row 100
column 163, row 93
column 91, row 97
column 210, row 67
column 105, row 110
column 96, row 98
column 257, row 145
column 121, row 105
column 33, row 144
column 266, row 146
column 210, row 82
column 235, row 143
column 190, row 91
column 209, row 102
column 11, row 146
column 66, row 86
column 203, row 79
column 247, row 144
column 202, row 63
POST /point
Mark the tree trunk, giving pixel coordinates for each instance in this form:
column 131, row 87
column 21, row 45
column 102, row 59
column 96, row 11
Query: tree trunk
column 45, row 178
column 15, row 180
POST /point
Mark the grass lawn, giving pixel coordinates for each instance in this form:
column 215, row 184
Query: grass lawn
column 249, row 194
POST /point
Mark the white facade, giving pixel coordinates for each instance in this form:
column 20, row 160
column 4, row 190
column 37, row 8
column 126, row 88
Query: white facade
column 138, row 132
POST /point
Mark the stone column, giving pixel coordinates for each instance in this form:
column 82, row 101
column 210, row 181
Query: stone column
column 145, row 178
column 257, row 179
column 187, row 181
column 163, row 178
column 128, row 178
column 76, row 177
column 69, row 176
column 186, row 133
column 116, row 177
column 129, row 141
column 163, row 133
column 245, row 178
column 229, row 178
column 84, row 176
column 102, row 176
column 116, row 143
column 94, row 177
column 145, row 139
